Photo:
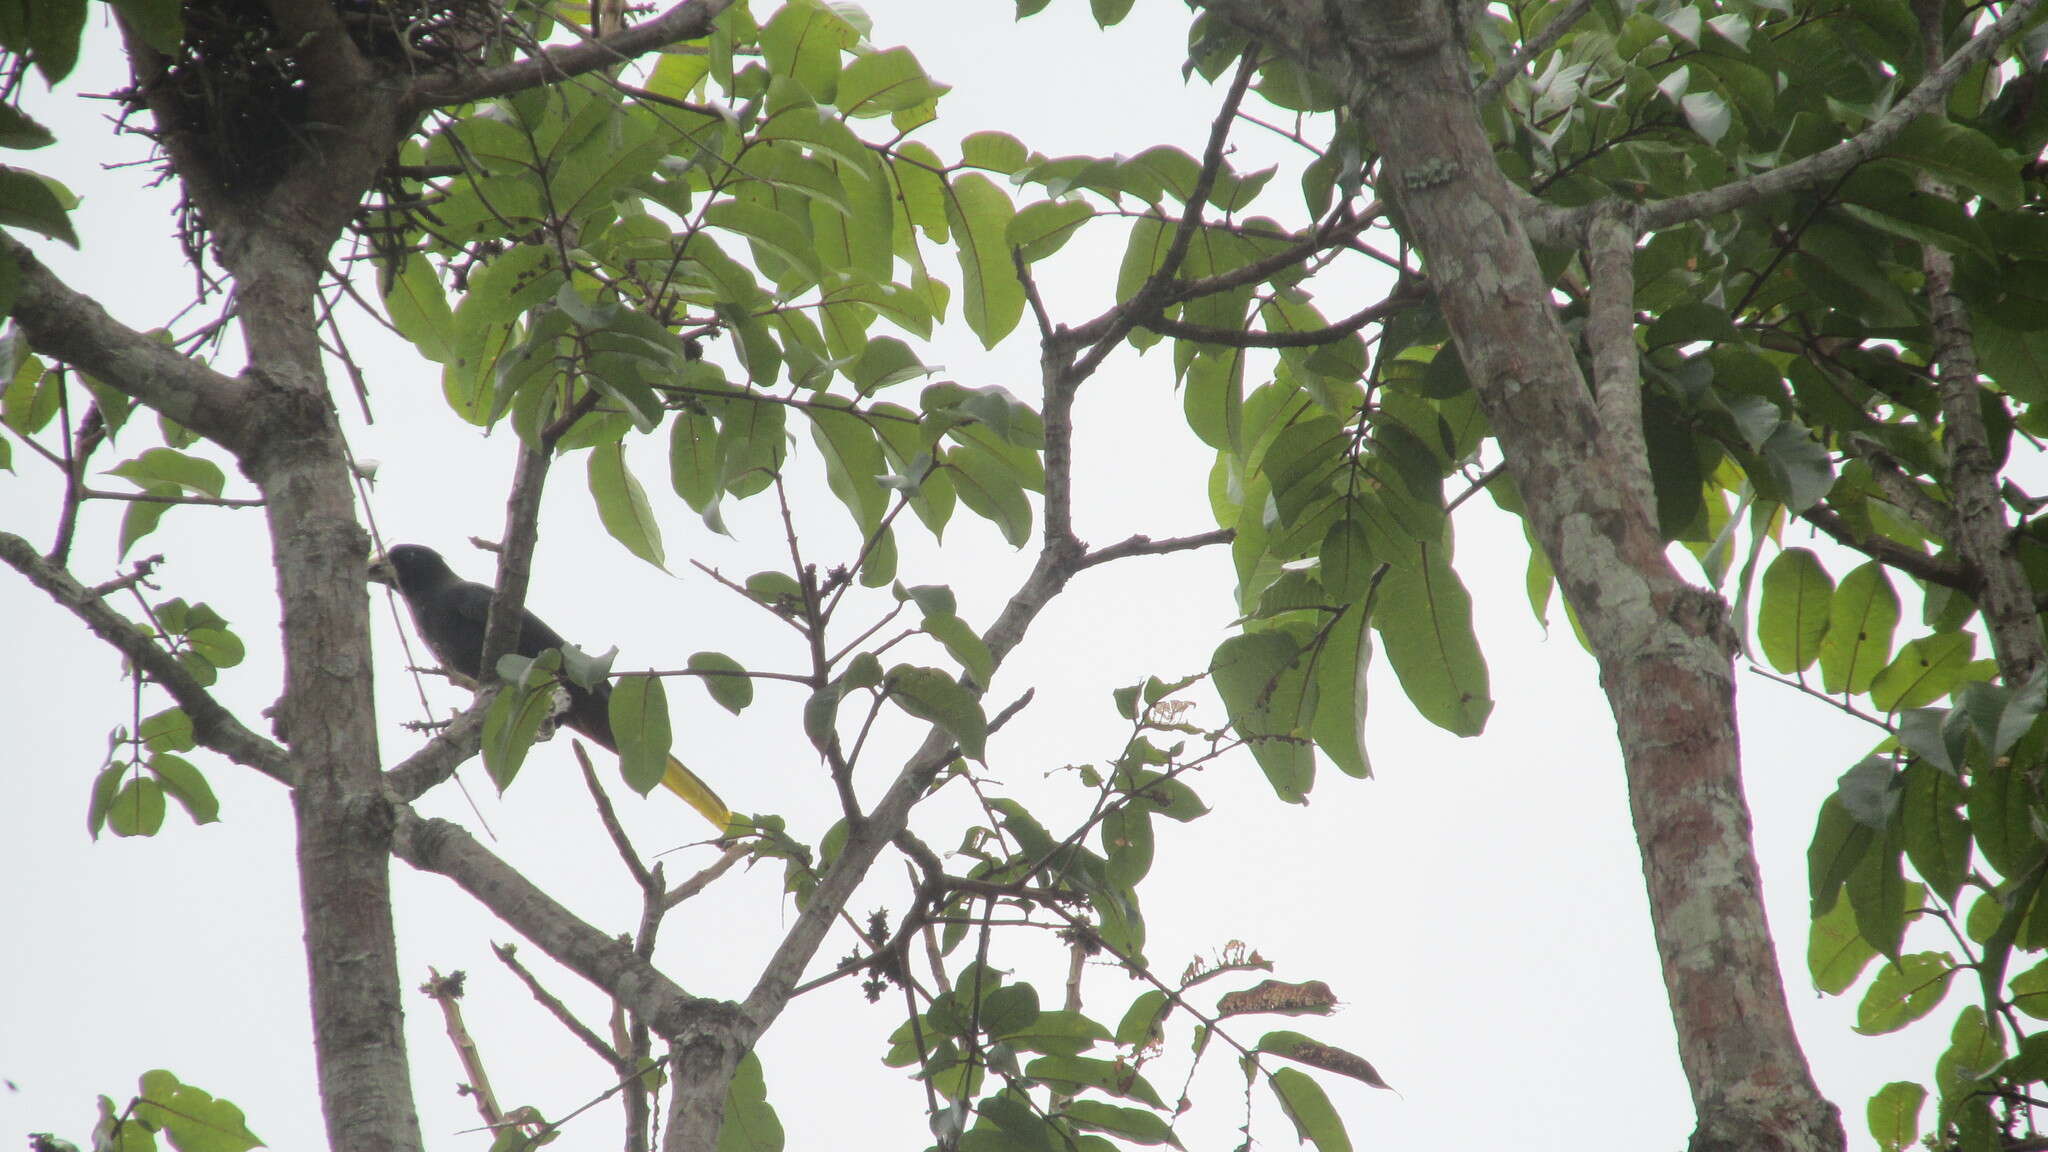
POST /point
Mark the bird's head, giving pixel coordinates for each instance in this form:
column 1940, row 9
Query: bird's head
column 409, row 568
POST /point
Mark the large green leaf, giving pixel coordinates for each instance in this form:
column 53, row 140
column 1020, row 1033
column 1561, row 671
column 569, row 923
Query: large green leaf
column 992, row 298
column 639, row 719
column 1861, row 617
column 1263, row 679
column 1315, row 1118
column 1793, row 616
column 1424, row 617
column 622, row 504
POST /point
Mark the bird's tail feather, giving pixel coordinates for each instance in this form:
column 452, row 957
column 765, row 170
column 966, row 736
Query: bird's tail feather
column 696, row 793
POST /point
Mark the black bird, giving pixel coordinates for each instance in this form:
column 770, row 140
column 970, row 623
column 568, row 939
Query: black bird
column 451, row 612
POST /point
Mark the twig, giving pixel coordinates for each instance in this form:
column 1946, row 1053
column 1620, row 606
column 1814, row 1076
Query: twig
column 168, row 498
column 1142, row 545
column 559, row 1010
column 705, row 878
column 446, row 991
column 610, row 818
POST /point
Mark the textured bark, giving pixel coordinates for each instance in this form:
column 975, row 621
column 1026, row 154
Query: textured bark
column 1978, row 526
column 1663, row 646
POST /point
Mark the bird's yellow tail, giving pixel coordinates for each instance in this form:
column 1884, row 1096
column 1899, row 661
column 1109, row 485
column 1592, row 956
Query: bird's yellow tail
column 696, row 793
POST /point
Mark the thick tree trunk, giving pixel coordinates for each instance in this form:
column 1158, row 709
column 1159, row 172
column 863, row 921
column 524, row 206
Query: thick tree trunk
column 1664, row 646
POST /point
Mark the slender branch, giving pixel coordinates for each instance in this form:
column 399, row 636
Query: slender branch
column 507, row 955
column 181, row 498
column 1142, row 545
column 515, row 557
column 446, row 849
column 705, row 878
column 690, row 20
column 1531, row 48
column 1400, row 301
column 447, row 992
column 609, row 816
column 1151, row 296
column 1831, row 163
column 212, row 725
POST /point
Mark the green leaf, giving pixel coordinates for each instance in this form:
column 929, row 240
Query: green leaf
column 1894, row 1115
column 622, row 504
column 1315, row 1120
column 1960, row 155
column 510, row 725
column 1213, row 397
column 1340, row 671
column 1127, row 844
column 54, row 29
column 1138, row 1125
column 186, row 785
column 419, row 310
column 750, row 1123
column 1878, row 893
column 991, row 490
column 1924, row 671
column 168, row 731
column 1140, row 1027
column 1424, row 617
column 964, row 644
column 1835, row 953
column 19, row 132
column 1937, row 837
column 1904, row 991
column 639, row 718
column 137, row 809
column 1262, row 678
column 1838, row 845
column 1801, row 471
column 802, row 41
column 930, row 694
column 31, row 201
column 696, row 460
column 992, row 299
column 725, row 679
column 1043, row 228
column 1793, row 616
column 104, row 787
column 878, row 83
column 1861, row 617
column 1069, row 1074
column 1314, row 1053
column 194, row 1120
column 164, row 466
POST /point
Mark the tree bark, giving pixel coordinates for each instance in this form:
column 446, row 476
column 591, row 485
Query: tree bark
column 1664, row 647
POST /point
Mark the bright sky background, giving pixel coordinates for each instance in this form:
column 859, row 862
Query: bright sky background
column 1478, row 906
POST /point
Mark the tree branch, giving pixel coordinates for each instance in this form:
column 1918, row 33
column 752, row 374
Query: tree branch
column 1535, row 46
column 1832, row 163
column 1892, row 554
column 67, row 326
column 690, row 20
column 439, row 757
column 1142, row 545
column 444, row 848
column 212, row 725
column 1306, row 338
column 1611, row 336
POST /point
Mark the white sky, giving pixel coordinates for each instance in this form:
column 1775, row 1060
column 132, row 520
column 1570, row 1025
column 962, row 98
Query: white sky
column 1478, row 906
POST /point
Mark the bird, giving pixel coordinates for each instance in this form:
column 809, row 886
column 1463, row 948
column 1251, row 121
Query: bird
column 450, row 614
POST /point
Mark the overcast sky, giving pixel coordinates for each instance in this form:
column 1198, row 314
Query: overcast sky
column 1478, row 906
